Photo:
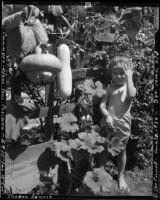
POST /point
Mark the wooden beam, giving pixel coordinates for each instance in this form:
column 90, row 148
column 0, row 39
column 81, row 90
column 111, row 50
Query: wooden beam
column 49, row 100
column 108, row 37
column 82, row 73
column 79, row 73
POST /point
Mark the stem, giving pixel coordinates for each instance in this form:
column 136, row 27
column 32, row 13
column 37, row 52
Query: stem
column 97, row 29
column 76, row 177
column 70, row 185
column 67, row 22
column 91, row 160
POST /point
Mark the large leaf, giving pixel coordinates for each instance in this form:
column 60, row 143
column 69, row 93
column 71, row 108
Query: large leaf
column 68, row 123
column 98, row 180
column 89, row 86
column 74, row 143
column 91, row 142
column 115, row 146
column 70, row 149
column 79, row 155
column 96, row 89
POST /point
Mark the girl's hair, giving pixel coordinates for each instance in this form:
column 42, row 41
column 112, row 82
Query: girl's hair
column 118, row 59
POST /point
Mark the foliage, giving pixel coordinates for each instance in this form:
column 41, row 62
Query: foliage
column 98, row 180
column 68, row 123
column 79, row 138
column 91, row 142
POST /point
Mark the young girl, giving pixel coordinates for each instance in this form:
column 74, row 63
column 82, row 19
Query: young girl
column 115, row 107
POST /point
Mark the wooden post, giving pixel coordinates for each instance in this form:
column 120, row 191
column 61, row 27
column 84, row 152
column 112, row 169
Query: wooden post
column 78, row 63
column 15, row 85
column 49, row 98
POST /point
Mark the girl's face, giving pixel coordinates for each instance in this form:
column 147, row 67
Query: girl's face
column 118, row 75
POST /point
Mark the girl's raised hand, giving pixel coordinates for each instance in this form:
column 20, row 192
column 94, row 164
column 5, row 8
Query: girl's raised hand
column 128, row 70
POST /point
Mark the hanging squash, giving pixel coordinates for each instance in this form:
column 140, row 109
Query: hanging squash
column 41, row 68
column 65, row 75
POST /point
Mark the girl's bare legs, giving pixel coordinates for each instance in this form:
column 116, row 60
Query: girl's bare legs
column 121, row 168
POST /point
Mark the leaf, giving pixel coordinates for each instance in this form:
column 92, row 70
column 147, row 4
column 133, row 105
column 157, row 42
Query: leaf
column 89, row 86
column 56, row 10
column 62, row 150
column 91, row 142
column 68, row 123
column 74, row 143
column 79, row 86
column 115, row 146
column 67, row 108
column 98, row 180
column 53, row 172
column 79, row 154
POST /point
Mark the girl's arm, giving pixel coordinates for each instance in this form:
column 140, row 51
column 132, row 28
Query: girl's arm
column 103, row 104
column 104, row 111
column 131, row 90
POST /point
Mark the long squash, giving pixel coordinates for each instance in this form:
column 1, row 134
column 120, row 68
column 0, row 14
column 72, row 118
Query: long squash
column 65, row 75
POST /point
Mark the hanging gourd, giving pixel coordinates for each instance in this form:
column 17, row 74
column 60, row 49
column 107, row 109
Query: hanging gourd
column 41, row 68
column 64, row 76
